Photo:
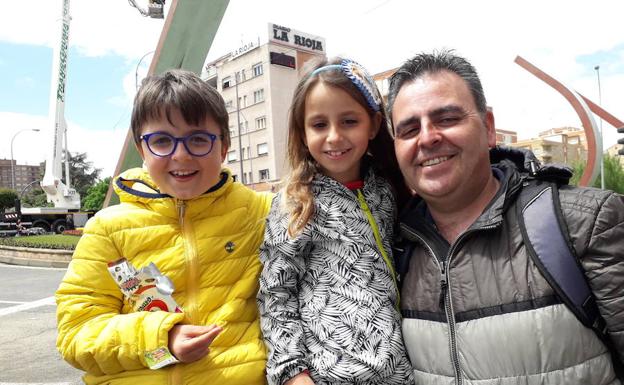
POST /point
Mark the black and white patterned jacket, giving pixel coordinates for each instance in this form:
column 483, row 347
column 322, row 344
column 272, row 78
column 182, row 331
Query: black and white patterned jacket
column 327, row 299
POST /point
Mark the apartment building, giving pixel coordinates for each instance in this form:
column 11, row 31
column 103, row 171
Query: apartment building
column 257, row 82
column 564, row 145
column 24, row 174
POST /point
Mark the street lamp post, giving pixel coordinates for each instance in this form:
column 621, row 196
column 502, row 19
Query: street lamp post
column 12, row 159
column 602, row 176
column 136, row 71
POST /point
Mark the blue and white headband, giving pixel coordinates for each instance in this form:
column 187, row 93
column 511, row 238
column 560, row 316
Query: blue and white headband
column 359, row 77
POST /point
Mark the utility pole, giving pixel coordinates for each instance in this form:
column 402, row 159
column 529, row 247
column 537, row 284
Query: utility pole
column 602, row 176
column 240, row 141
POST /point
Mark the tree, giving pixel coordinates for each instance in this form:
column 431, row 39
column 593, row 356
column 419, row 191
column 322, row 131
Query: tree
column 95, row 195
column 83, row 174
column 7, row 198
column 35, row 197
column 614, row 174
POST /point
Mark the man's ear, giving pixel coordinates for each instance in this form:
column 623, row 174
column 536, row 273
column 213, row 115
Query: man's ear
column 491, row 129
column 376, row 125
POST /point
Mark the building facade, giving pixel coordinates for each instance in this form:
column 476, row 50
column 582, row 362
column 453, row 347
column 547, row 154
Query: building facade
column 257, row 82
column 24, row 174
column 564, row 145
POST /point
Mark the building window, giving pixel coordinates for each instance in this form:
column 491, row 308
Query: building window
column 260, row 123
column 245, row 153
column 228, row 105
column 232, row 133
column 240, row 76
column 264, row 174
column 227, row 82
column 231, row 156
column 257, row 70
column 250, row 177
column 259, row 95
column 263, row 149
column 244, row 178
column 243, row 127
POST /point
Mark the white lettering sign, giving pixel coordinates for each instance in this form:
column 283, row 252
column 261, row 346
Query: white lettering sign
column 296, row 39
column 243, row 49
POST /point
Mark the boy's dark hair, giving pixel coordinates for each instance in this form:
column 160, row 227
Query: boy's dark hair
column 178, row 90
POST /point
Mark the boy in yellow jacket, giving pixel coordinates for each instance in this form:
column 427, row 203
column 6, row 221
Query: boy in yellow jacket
column 185, row 214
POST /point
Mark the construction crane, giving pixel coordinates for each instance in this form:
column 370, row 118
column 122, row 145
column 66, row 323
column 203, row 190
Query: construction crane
column 62, row 195
column 65, row 214
column 154, row 8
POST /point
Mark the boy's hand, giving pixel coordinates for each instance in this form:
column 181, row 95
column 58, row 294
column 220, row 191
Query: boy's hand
column 300, row 379
column 189, row 343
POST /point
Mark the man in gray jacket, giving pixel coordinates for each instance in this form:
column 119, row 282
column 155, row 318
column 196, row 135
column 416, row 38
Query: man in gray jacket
column 476, row 308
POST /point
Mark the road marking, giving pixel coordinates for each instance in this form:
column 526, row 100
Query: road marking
column 27, row 306
column 13, row 302
column 3, row 265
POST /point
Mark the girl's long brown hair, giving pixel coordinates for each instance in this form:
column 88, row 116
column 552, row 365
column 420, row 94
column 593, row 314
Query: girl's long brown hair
column 298, row 200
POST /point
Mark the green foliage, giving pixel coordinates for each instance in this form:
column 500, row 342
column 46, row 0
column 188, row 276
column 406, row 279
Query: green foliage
column 65, row 242
column 95, row 195
column 614, row 174
column 7, row 198
column 35, row 197
column 83, row 174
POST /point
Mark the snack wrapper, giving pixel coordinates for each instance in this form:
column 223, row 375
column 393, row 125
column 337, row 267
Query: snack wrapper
column 146, row 289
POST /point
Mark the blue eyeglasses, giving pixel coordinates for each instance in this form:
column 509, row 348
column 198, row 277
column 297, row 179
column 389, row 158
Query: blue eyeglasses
column 197, row 144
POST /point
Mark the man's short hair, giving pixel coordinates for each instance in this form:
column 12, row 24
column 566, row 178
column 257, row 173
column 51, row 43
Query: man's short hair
column 178, row 90
column 429, row 63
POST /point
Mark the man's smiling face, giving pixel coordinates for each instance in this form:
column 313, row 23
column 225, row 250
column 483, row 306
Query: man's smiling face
column 442, row 141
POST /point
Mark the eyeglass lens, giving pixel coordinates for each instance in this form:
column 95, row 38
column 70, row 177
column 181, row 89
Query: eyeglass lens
column 198, row 144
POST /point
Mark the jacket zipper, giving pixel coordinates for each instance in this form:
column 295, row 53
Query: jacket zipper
column 190, row 256
column 445, row 294
column 176, row 375
column 445, row 298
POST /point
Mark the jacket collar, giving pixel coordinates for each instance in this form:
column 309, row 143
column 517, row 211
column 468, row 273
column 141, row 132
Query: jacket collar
column 322, row 181
column 136, row 186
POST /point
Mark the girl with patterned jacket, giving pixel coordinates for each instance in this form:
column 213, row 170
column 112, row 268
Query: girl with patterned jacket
column 328, row 298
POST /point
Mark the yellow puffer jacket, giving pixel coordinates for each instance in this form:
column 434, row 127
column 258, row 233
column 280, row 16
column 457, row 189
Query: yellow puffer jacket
column 207, row 246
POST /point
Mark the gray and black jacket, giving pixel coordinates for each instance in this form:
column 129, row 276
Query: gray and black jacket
column 479, row 311
column 327, row 298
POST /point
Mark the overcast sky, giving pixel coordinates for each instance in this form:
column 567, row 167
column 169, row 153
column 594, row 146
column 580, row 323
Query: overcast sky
column 566, row 39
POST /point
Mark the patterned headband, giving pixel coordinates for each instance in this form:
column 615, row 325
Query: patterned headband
column 359, row 77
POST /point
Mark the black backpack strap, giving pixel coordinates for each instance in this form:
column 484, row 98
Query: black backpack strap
column 546, row 237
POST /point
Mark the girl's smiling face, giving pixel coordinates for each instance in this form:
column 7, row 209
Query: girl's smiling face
column 337, row 131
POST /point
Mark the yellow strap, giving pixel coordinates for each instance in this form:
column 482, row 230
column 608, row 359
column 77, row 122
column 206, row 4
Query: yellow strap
column 373, row 225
